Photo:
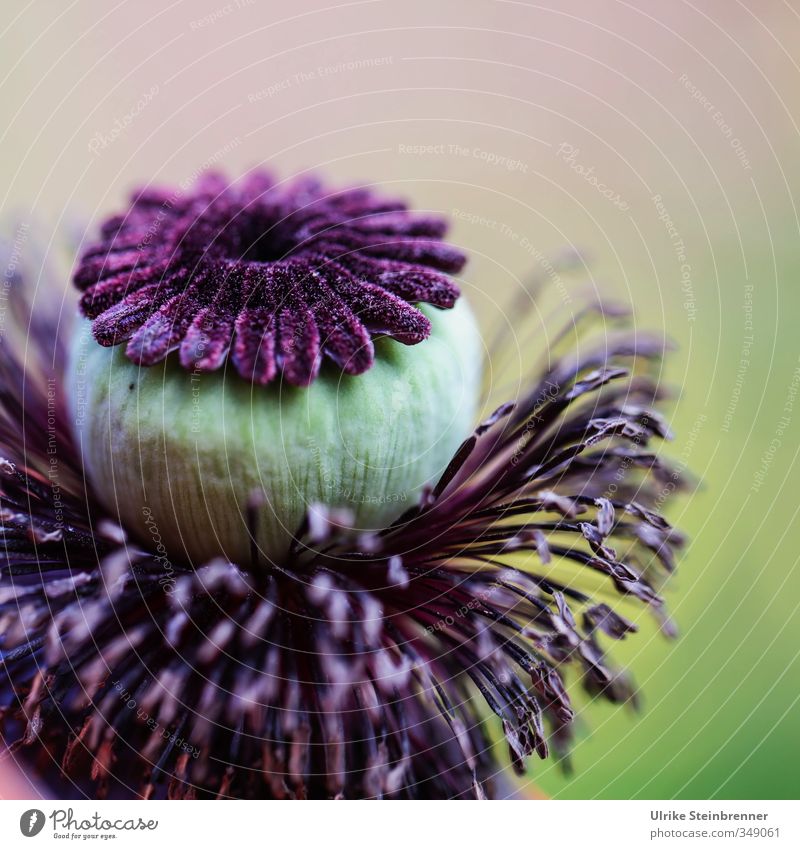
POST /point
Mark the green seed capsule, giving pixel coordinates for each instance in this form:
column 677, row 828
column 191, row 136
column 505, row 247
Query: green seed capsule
column 178, row 455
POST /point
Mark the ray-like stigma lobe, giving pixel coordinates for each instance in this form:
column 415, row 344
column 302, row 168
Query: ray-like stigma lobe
column 275, row 276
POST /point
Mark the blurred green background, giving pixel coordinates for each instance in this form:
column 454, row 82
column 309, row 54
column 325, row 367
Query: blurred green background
column 542, row 126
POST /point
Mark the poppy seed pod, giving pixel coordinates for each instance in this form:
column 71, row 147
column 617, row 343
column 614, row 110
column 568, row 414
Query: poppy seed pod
column 180, row 454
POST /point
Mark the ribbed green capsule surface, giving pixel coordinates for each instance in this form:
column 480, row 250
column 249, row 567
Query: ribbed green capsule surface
column 177, row 455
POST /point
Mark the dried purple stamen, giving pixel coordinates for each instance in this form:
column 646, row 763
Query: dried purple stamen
column 276, row 276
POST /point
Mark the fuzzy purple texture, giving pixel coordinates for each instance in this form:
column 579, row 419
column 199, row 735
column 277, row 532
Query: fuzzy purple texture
column 274, row 275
